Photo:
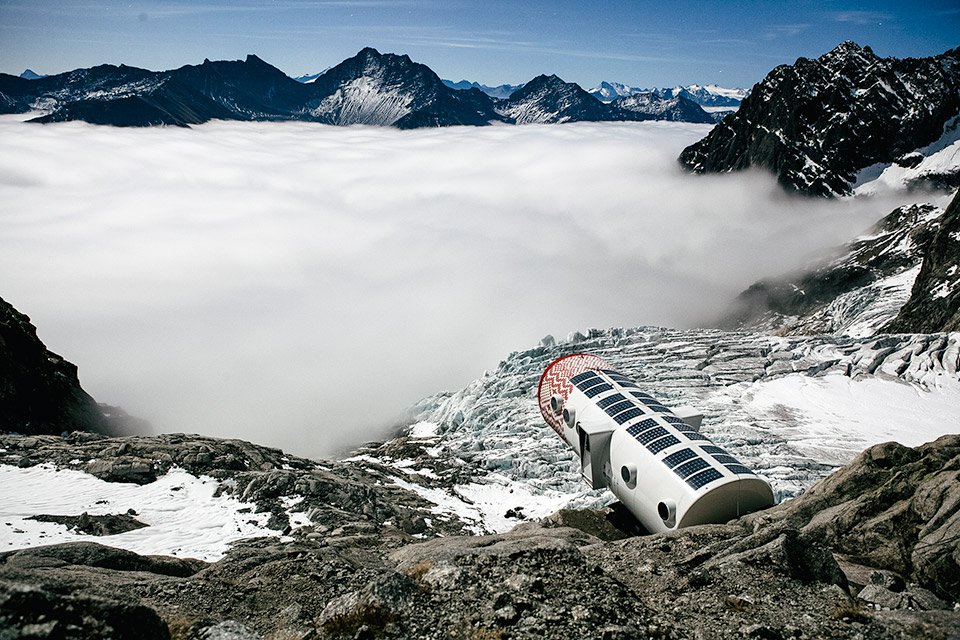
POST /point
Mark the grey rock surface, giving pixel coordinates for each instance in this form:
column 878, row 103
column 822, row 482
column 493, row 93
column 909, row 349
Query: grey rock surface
column 882, row 527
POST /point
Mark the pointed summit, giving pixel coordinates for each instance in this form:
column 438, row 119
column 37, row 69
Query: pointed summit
column 548, row 99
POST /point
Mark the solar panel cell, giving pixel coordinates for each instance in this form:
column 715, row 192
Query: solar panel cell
column 676, row 458
column 625, row 416
column 651, row 434
column 659, row 445
column 687, row 469
column 603, row 403
column 704, row 478
column 593, row 392
column 620, row 406
column 739, row 468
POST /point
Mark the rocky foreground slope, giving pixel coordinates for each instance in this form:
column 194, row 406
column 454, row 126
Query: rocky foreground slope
column 870, row 552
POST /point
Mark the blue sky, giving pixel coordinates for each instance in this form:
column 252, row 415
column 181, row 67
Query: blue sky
column 733, row 43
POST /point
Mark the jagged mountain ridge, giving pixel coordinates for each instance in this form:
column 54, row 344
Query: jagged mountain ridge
column 709, row 95
column 677, row 109
column 370, row 88
column 548, row 100
column 856, row 292
column 816, row 123
column 500, row 91
column 706, row 95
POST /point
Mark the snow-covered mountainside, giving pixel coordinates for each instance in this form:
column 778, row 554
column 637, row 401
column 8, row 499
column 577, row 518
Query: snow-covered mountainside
column 678, row 109
column 387, row 89
column 307, row 78
column 935, row 166
column 369, row 88
column 548, row 99
column 610, row 91
column 817, row 123
column 500, row 91
column 856, row 292
column 901, row 276
column 709, row 95
column 934, row 303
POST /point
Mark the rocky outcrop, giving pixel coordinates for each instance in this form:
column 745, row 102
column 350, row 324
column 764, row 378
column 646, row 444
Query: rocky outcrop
column 39, row 390
column 816, row 123
column 934, row 303
column 893, row 508
column 870, row 552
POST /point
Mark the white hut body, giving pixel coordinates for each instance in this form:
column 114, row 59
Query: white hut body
column 652, row 458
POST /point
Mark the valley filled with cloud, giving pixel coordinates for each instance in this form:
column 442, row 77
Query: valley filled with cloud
column 302, row 285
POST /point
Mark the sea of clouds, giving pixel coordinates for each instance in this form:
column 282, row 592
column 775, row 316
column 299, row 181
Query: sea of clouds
column 300, row 285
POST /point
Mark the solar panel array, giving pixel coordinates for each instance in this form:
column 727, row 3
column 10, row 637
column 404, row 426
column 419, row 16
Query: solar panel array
column 652, row 430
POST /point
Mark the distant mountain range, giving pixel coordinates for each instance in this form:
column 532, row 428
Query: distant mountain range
column 370, row 88
column 709, row 95
column 500, row 91
column 817, row 124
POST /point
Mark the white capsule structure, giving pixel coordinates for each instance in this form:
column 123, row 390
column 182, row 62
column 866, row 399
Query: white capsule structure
column 653, row 458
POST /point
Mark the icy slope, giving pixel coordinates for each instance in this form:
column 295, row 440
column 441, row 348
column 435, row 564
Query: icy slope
column 855, row 292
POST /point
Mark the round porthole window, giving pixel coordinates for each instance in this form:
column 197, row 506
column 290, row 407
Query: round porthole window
column 628, row 473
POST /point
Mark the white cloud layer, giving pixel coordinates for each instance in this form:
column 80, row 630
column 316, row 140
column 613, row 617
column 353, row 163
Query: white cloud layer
column 301, row 285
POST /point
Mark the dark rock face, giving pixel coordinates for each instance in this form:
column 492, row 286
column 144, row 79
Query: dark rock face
column 934, row 303
column 39, row 391
column 815, row 123
column 844, row 560
column 837, row 292
column 892, row 508
column 165, row 103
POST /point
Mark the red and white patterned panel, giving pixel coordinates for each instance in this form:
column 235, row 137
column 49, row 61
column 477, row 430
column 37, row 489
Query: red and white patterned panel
column 556, row 381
